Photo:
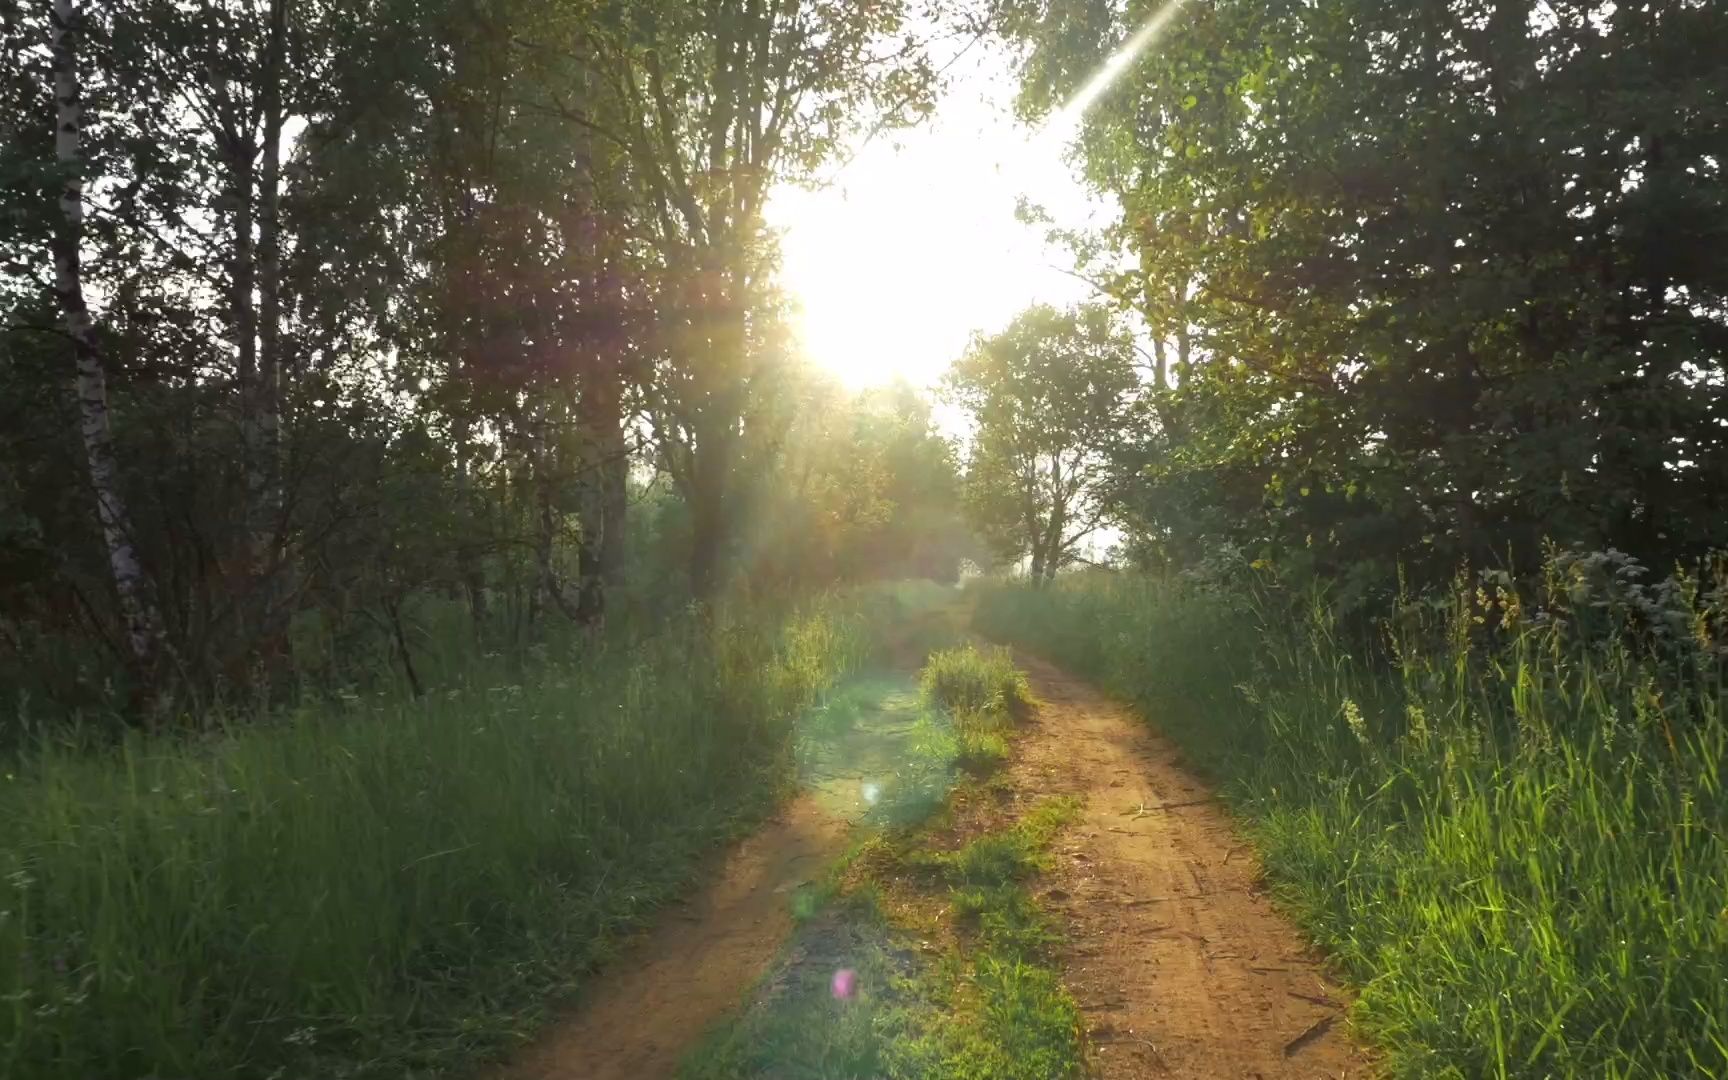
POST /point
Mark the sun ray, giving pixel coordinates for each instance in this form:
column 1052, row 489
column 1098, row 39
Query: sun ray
column 1065, row 123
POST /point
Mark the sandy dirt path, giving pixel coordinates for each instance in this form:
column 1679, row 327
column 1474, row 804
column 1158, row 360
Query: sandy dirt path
column 1179, row 961
column 657, row 997
column 1180, row 964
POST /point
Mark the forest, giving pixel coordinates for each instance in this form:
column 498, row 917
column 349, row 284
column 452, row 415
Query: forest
column 428, row 541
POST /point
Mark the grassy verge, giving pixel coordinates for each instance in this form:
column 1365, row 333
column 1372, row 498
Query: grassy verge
column 1513, row 835
column 923, row 955
column 388, row 887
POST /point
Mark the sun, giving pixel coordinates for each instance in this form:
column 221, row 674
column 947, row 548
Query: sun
column 914, row 245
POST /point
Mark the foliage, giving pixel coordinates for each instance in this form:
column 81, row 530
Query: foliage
column 862, row 486
column 1504, row 818
column 1424, row 282
column 408, row 301
column 389, row 883
column 1048, row 395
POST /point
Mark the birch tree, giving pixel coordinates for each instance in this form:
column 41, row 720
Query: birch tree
column 143, row 625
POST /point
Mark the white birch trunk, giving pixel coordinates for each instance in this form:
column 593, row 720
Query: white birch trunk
column 143, row 625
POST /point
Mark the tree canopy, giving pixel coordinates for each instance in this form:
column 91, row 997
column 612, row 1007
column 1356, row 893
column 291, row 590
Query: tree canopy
column 1050, row 396
column 1427, row 282
column 379, row 306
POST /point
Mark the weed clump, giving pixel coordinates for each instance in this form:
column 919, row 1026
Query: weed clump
column 973, row 682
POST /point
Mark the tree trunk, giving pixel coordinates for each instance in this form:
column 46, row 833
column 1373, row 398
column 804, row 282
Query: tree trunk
column 717, row 431
column 143, row 624
column 1058, row 521
column 614, row 507
column 604, row 497
column 262, row 394
column 545, row 502
column 238, row 147
column 1053, row 543
column 264, row 467
column 467, row 564
column 707, row 521
column 242, row 307
column 393, row 608
column 600, row 558
column 590, row 589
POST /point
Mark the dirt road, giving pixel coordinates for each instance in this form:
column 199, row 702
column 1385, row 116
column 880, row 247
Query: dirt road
column 1179, row 962
column 1181, row 965
column 653, row 1001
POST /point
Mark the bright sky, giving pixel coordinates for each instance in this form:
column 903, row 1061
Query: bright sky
column 915, row 245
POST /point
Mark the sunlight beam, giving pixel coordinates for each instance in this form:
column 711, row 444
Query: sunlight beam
column 1065, row 124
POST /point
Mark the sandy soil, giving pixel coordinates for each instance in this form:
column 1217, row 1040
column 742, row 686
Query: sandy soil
column 655, row 999
column 1179, row 962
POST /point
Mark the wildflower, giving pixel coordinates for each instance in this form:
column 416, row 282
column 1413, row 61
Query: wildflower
column 1353, row 718
column 1511, row 606
column 845, row 984
column 1418, row 732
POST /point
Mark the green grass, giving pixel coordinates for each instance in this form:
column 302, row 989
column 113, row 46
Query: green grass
column 969, row 681
column 983, row 695
column 986, row 1006
column 798, row 1029
column 1002, row 1011
column 1512, row 835
column 990, row 1007
column 388, row 886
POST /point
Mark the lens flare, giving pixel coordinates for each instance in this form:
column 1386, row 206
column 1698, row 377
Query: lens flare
column 1062, row 126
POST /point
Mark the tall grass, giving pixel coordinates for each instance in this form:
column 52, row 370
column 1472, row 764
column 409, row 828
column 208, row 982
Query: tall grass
column 969, row 680
column 389, row 886
column 1511, row 833
column 982, row 695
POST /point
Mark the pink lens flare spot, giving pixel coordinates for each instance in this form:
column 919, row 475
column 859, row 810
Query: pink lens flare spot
column 845, row 984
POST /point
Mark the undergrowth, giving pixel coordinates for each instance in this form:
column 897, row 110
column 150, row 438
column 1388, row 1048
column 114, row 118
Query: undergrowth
column 391, row 885
column 1003, row 1011
column 1506, row 822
